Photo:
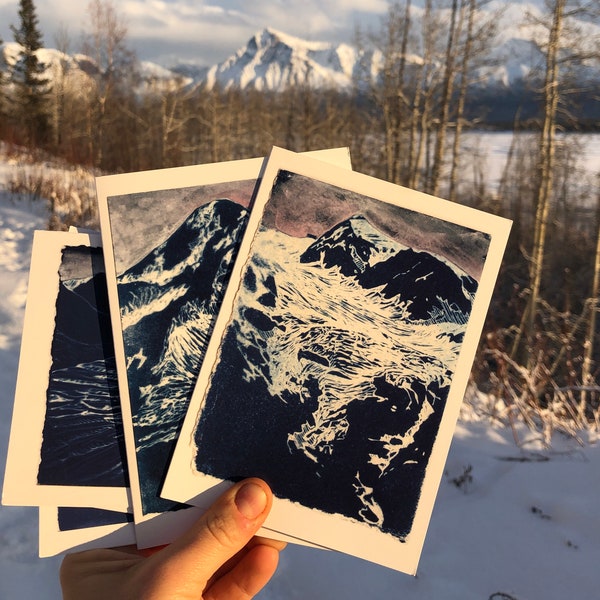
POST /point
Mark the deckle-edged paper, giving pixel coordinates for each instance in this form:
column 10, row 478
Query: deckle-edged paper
column 66, row 443
column 340, row 357
column 170, row 237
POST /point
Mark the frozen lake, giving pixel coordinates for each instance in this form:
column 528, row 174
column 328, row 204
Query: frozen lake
column 492, row 147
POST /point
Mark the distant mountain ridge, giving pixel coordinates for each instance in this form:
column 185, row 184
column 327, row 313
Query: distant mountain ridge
column 350, row 245
column 425, row 283
column 273, row 60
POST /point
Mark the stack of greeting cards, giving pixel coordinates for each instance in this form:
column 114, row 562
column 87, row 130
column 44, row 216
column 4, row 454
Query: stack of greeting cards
column 284, row 318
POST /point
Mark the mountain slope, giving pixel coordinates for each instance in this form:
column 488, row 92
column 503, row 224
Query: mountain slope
column 83, row 434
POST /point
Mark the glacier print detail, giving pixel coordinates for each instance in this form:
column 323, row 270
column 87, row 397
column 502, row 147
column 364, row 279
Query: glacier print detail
column 169, row 301
column 83, row 441
column 334, row 371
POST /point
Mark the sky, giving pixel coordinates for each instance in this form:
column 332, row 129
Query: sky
column 205, row 33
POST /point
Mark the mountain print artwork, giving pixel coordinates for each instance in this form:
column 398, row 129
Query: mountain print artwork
column 82, row 441
column 170, row 238
column 335, row 368
column 168, row 302
column 340, row 356
column 67, row 444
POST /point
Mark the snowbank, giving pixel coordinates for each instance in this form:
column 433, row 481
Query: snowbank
column 22, row 574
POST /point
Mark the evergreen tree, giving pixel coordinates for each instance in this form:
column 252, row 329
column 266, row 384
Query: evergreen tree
column 31, row 85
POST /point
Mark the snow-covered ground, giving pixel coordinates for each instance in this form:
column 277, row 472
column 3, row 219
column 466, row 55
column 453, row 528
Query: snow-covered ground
column 508, row 523
column 22, row 575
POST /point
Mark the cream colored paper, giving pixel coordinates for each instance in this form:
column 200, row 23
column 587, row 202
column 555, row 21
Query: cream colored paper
column 21, row 485
column 162, row 199
column 418, row 221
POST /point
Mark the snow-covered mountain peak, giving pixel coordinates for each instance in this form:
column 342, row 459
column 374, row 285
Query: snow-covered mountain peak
column 210, row 215
column 207, row 230
column 275, row 60
column 57, row 63
column 270, row 36
column 363, row 228
column 353, row 245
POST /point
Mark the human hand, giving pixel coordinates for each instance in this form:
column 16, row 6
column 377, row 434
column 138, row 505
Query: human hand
column 218, row 558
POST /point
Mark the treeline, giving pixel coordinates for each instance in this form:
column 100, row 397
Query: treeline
column 539, row 353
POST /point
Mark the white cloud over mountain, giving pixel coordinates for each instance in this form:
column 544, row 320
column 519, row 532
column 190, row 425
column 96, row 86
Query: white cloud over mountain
column 204, row 32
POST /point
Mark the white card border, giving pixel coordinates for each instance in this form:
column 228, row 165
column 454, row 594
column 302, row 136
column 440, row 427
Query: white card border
column 160, row 528
column 53, row 541
column 183, row 483
column 24, row 450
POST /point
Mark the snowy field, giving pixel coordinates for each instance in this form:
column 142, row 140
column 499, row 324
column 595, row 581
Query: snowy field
column 509, row 523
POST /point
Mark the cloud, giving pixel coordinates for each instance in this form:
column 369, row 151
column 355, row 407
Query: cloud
column 52, row 16
column 372, row 6
column 193, row 31
column 207, row 32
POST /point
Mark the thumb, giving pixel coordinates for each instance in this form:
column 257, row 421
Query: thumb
column 219, row 534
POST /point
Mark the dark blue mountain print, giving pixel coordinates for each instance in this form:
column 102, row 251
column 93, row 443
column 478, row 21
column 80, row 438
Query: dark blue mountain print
column 334, row 372
column 169, row 301
column 83, row 442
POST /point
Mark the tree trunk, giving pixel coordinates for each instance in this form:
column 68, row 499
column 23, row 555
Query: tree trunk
column 421, row 102
column 462, row 96
column 447, row 89
column 588, row 345
column 545, row 181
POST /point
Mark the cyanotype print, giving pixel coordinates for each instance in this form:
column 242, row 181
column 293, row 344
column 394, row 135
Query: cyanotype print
column 334, row 369
column 173, row 251
column 71, row 518
column 82, row 441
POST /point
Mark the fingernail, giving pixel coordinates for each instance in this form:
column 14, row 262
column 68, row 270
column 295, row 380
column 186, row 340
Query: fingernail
column 251, row 500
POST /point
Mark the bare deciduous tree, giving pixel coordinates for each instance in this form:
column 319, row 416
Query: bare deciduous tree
column 106, row 43
column 590, row 335
column 557, row 59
